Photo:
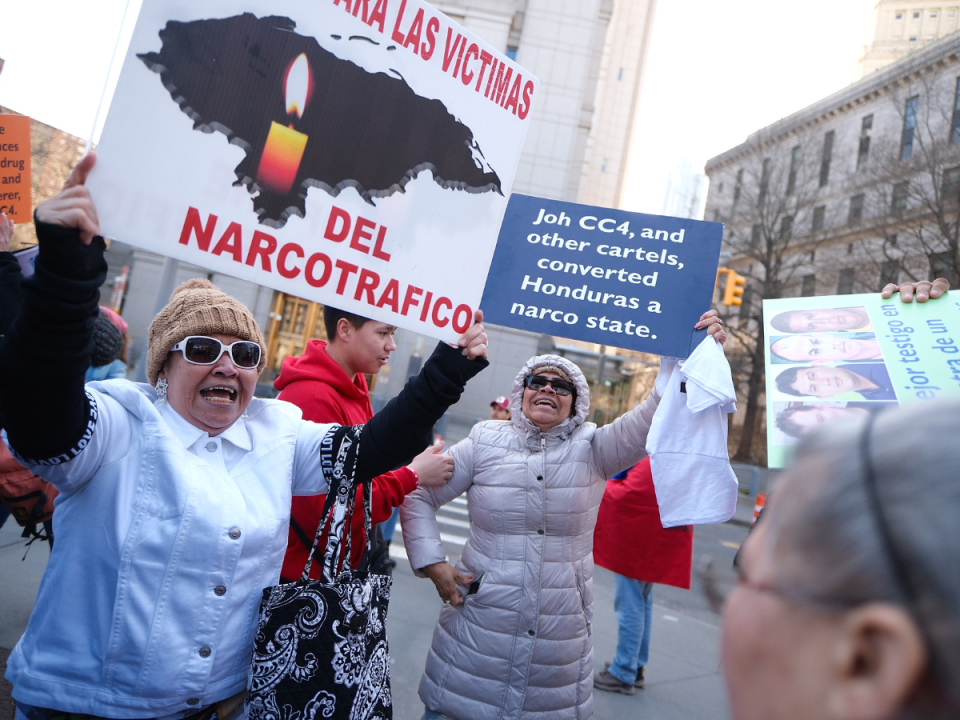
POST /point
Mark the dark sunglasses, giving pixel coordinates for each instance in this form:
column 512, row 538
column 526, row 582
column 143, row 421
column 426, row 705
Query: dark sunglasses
column 202, row 350
column 539, row 382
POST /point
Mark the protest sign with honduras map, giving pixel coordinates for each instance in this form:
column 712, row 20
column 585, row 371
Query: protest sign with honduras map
column 354, row 152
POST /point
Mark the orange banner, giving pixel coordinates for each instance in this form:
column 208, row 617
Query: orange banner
column 15, row 183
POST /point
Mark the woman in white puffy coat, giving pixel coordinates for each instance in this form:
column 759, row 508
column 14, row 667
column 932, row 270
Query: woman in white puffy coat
column 521, row 646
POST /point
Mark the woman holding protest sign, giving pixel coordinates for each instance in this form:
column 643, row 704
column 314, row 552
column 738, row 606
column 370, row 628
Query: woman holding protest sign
column 174, row 499
column 514, row 640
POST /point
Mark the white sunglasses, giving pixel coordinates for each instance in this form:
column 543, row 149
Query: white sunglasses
column 203, row 350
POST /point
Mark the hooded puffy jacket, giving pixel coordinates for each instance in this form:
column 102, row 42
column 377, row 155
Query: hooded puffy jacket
column 521, row 647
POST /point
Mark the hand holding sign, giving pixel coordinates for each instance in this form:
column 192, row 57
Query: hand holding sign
column 73, row 207
column 923, row 289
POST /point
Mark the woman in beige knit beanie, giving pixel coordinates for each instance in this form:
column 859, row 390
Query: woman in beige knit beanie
column 175, row 499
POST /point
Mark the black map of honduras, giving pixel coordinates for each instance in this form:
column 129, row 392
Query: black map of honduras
column 365, row 130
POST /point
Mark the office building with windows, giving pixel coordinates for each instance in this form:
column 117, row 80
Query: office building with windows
column 863, row 187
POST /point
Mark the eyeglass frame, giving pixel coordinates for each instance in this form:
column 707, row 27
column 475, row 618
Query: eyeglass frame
column 224, row 348
column 549, row 382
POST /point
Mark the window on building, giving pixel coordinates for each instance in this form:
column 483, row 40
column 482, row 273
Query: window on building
column 933, row 14
column 819, row 215
column 899, row 16
column 901, row 194
column 512, row 53
column 716, row 216
column 929, row 38
column 736, row 192
column 756, row 233
column 909, row 125
column 746, row 301
column 942, row 265
column 916, row 16
column 764, row 182
column 889, row 273
column 603, row 165
column 808, row 286
column 620, row 74
column 845, row 281
column 892, row 239
column 786, row 227
column 913, row 38
column 825, row 160
column 813, row 256
column 866, row 130
column 720, row 189
column 856, row 210
column 794, row 169
column 849, row 248
column 950, row 187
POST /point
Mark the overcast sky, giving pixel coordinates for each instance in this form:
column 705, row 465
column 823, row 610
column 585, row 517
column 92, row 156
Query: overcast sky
column 716, row 71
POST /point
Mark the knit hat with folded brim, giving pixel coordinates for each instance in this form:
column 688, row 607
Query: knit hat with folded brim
column 198, row 307
column 547, row 367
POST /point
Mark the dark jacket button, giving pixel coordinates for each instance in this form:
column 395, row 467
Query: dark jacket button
column 531, row 633
column 234, row 533
column 540, row 531
column 220, row 590
column 205, row 651
column 540, row 478
column 193, row 701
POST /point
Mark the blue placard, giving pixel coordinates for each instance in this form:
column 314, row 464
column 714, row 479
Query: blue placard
column 604, row 276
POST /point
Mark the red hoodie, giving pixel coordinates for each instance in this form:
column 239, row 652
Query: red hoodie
column 316, row 384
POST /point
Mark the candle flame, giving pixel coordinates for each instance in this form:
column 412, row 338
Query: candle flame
column 298, row 85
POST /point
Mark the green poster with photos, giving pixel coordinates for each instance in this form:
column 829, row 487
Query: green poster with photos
column 842, row 355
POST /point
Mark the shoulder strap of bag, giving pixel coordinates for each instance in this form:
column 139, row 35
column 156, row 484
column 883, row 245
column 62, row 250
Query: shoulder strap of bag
column 339, row 463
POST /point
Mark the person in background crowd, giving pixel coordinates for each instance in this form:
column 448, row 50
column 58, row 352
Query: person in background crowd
column 10, row 296
column 631, row 541
column 514, row 639
column 327, row 383
column 105, row 363
column 500, row 409
column 845, row 602
column 174, row 499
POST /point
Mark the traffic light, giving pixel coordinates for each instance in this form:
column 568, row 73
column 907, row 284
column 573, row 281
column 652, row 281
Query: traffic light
column 734, row 289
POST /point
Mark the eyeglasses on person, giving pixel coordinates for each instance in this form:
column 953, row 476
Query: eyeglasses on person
column 203, row 350
column 539, row 382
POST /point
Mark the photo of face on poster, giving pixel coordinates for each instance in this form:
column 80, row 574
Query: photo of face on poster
column 839, row 381
column 822, row 348
column 794, row 420
column 821, row 320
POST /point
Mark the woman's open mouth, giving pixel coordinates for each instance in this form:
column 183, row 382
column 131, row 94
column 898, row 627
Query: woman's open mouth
column 219, row 394
column 545, row 402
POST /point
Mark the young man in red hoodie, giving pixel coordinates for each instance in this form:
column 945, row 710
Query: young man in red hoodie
column 327, row 383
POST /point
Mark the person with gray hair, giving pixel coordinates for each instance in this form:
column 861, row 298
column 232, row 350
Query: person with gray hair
column 845, row 601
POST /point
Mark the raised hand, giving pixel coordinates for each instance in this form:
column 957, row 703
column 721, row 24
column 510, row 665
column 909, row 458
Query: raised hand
column 73, row 207
column 714, row 325
column 924, row 290
column 474, row 340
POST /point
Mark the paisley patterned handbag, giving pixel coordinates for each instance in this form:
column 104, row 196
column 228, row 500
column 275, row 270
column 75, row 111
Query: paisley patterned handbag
column 321, row 645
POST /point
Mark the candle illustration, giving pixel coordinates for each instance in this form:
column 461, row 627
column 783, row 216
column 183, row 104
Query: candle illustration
column 285, row 145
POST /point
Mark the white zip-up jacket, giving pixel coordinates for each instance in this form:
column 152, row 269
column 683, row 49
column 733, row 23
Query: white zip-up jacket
column 522, row 646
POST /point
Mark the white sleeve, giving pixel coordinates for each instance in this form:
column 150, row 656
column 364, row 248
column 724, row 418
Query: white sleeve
column 106, row 438
column 307, row 470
